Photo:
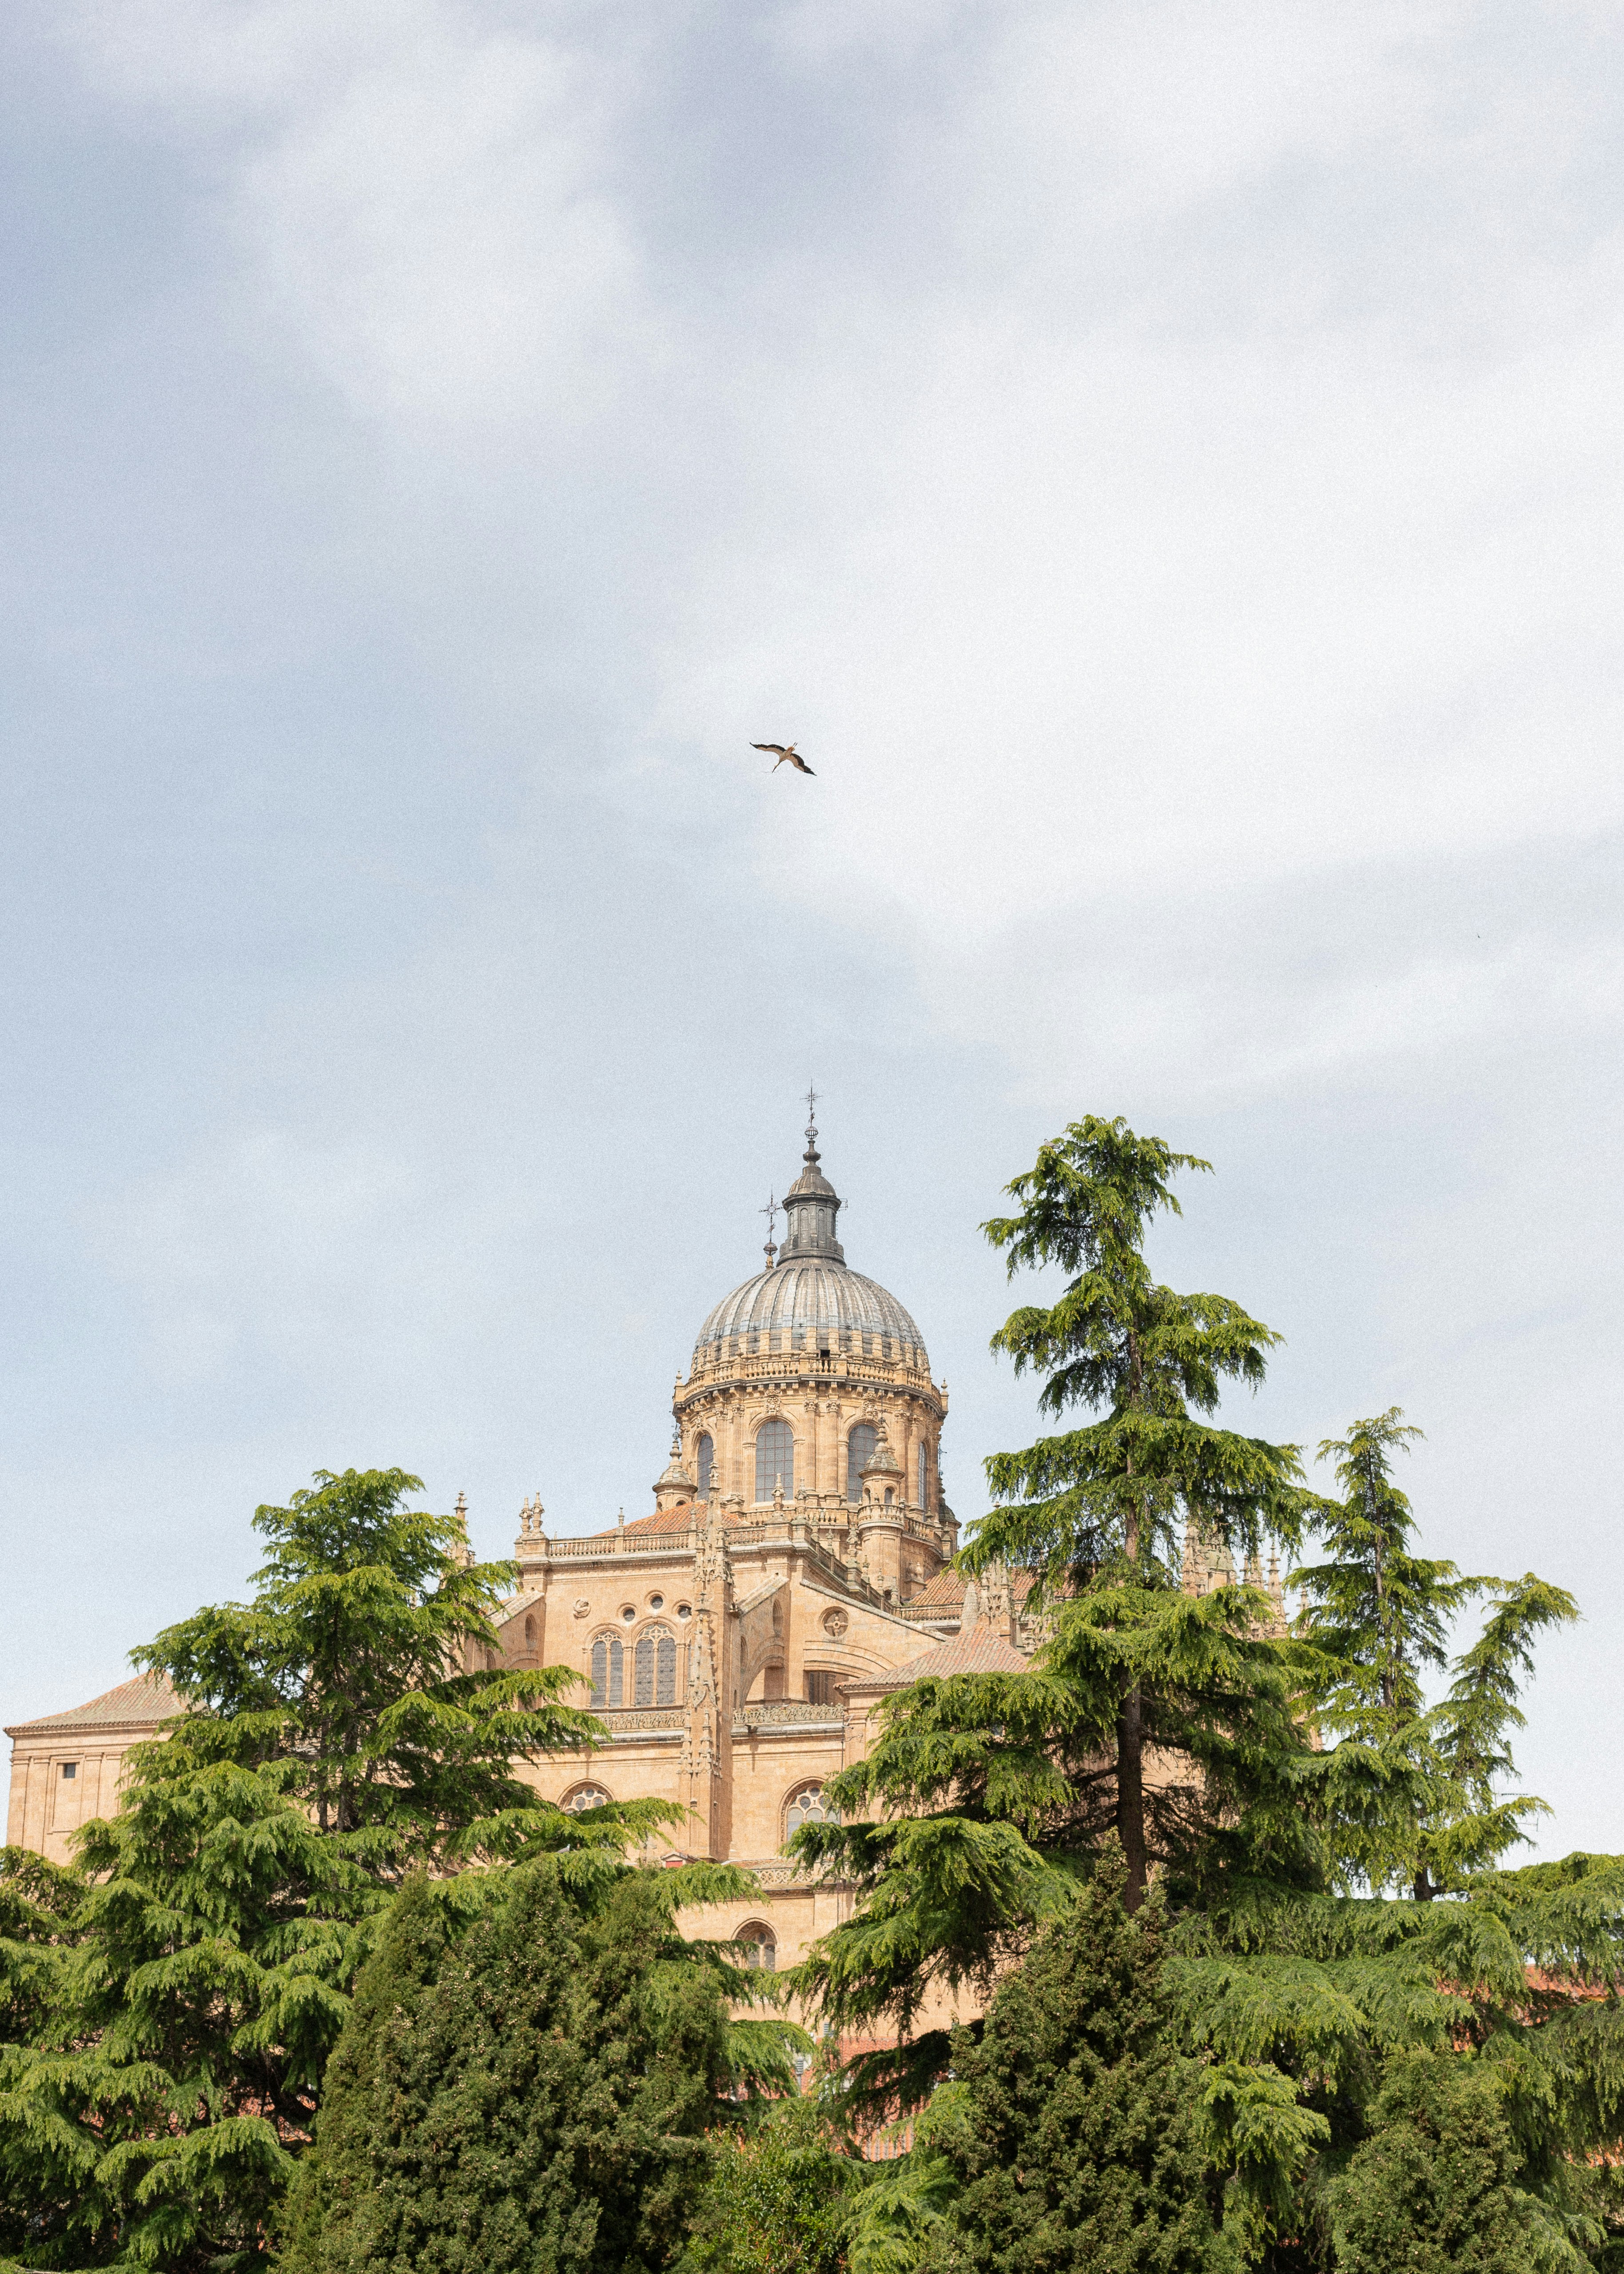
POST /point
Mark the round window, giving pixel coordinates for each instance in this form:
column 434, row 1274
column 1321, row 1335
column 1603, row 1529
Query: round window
column 656, row 1602
column 628, row 1612
column 684, row 1611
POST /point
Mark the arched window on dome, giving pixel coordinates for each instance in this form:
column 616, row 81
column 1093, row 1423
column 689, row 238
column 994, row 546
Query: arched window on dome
column 858, row 1453
column 775, row 1460
column 654, row 1668
column 706, row 1456
column 607, row 1661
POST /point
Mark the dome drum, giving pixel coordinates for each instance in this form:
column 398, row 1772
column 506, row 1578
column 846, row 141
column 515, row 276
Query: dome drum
column 812, row 1353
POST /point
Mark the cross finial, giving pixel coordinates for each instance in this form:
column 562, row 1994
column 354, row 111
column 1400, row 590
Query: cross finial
column 811, row 1151
column 772, row 1214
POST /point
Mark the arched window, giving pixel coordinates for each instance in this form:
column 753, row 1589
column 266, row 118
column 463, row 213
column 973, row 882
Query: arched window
column 924, row 1474
column 530, row 1635
column 654, row 1665
column 806, row 1805
column 858, row 1453
column 607, row 1665
column 775, row 1460
column 707, row 1456
column 584, row 1797
column 758, row 1947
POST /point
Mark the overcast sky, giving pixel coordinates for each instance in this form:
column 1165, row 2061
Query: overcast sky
column 1162, row 464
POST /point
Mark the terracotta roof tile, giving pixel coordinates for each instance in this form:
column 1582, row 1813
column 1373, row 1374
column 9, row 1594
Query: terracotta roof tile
column 943, row 1591
column 145, row 1698
column 979, row 1649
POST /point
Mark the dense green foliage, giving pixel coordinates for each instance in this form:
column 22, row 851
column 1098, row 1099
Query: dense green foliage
column 1301, row 1778
column 363, row 1664
column 1432, row 2190
column 1074, row 2132
column 778, row 2201
column 529, row 2089
column 171, row 2003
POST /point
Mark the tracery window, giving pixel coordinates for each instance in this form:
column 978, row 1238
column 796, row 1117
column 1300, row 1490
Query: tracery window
column 806, row 1805
column 584, row 1797
column 858, row 1453
column 607, row 1661
column 775, row 1460
column 706, row 1457
column 758, row 1947
column 654, row 1668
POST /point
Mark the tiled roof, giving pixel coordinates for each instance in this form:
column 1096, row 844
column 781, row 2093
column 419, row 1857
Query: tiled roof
column 979, row 1649
column 943, row 1591
column 680, row 1518
column 145, row 1698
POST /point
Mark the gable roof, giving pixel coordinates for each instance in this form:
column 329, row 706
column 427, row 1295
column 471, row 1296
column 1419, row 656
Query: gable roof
column 141, row 1702
column 979, row 1649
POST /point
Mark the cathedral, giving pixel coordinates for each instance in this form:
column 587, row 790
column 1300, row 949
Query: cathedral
column 738, row 1639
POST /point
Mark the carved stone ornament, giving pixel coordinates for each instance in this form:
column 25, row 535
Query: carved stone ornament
column 835, row 1623
column 582, row 1606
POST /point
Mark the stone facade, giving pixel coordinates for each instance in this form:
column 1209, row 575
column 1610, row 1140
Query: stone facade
column 66, row 1767
column 736, row 1640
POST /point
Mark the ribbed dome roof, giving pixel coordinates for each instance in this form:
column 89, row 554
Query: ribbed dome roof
column 811, row 1305
column 808, row 1299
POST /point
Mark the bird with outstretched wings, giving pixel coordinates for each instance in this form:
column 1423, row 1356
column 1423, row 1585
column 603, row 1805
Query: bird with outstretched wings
column 784, row 751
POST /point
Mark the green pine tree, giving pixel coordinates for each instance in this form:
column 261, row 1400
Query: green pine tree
column 988, row 1796
column 1424, row 1948
column 1101, row 1510
column 532, row 2093
column 176, row 1998
column 1415, row 1797
column 365, row 1663
column 1073, row 2134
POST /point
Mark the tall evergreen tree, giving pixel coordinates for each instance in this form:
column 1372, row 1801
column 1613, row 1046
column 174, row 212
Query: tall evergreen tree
column 1414, row 1798
column 1509, row 1981
column 531, row 2095
column 989, row 1795
column 1101, row 1510
column 1074, row 2133
column 175, row 1997
column 365, row 1663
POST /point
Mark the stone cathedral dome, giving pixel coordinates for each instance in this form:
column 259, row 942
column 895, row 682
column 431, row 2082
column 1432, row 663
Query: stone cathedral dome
column 808, row 1299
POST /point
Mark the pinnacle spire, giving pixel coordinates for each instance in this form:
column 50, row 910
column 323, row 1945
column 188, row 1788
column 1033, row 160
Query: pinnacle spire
column 810, row 1207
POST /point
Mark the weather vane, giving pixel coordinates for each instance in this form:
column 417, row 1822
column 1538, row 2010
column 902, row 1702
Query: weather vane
column 811, row 1112
column 772, row 1214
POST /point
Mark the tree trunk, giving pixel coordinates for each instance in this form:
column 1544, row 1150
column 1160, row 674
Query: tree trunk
column 1130, row 1793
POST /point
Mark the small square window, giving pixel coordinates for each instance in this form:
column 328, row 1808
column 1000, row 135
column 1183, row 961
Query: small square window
column 70, row 1768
